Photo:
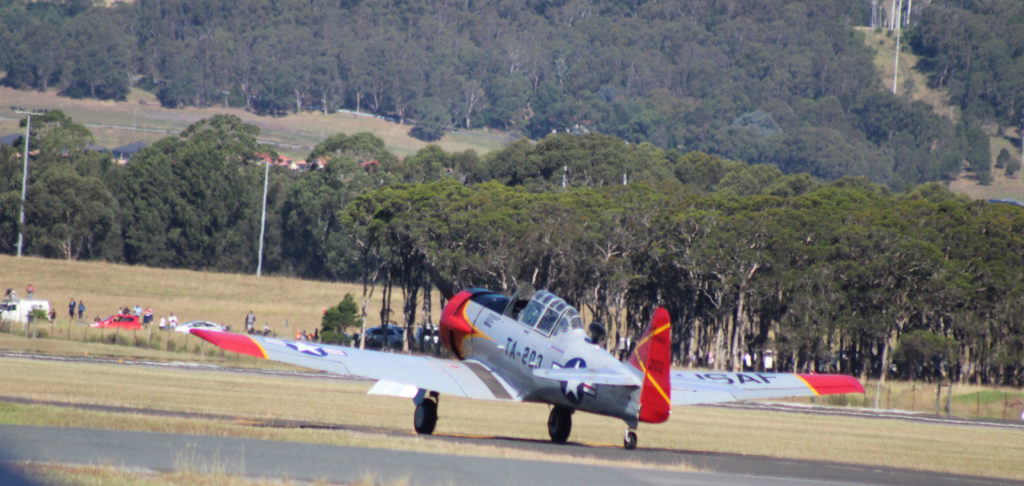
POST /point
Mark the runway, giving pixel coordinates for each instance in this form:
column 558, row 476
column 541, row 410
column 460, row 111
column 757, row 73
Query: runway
column 340, row 464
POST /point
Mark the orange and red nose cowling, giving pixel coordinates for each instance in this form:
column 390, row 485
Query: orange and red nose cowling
column 454, row 326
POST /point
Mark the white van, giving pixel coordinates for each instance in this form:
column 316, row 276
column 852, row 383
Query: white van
column 17, row 311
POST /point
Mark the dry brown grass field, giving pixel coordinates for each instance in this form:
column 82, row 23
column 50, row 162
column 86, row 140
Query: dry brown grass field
column 227, row 297
column 116, row 123
column 218, row 297
column 946, row 448
column 1002, row 187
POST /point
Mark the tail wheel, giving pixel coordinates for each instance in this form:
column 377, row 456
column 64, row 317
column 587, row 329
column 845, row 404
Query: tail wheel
column 629, row 441
column 560, row 424
column 426, row 417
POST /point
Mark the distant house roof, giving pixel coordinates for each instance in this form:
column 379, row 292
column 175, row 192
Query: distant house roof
column 1007, row 201
column 11, row 139
column 127, row 151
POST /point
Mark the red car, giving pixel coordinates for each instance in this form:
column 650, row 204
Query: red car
column 123, row 321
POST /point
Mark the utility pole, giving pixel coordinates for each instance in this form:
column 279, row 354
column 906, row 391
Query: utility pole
column 263, row 219
column 24, row 175
column 896, row 64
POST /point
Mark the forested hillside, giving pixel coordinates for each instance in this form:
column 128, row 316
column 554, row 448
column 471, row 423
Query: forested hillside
column 788, row 83
column 975, row 51
column 845, row 276
column 732, row 160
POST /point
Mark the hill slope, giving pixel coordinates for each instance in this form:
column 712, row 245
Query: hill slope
column 141, row 118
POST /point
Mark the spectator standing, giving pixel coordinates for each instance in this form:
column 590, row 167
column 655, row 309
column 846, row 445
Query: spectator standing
column 30, row 291
column 172, row 321
column 81, row 309
column 71, row 309
column 250, row 322
column 147, row 316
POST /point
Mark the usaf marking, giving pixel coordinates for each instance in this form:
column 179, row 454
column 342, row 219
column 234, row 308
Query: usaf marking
column 737, row 378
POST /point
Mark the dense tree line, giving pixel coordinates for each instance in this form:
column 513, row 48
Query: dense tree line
column 829, row 277
column 780, row 82
column 842, row 276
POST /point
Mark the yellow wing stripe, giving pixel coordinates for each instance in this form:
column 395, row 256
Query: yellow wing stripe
column 809, row 385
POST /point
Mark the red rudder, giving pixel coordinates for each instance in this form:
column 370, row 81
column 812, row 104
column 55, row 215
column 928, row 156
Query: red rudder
column 653, row 357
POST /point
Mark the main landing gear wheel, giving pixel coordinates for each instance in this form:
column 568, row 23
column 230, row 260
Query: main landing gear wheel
column 560, row 424
column 426, row 417
column 629, row 441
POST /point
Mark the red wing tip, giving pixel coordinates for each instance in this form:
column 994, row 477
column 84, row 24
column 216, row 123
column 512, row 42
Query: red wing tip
column 239, row 343
column 833, row 384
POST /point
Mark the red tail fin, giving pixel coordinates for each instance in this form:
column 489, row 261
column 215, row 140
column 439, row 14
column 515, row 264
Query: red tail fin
column 653, row 357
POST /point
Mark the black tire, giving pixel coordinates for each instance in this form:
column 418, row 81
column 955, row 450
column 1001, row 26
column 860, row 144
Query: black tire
column 426, row 417
column 560, row 424
column 629, row 442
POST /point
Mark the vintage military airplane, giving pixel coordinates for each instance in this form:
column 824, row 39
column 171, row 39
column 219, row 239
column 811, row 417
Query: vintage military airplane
column 533, row 347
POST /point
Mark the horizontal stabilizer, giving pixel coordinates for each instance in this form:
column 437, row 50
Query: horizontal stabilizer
column 694, row 387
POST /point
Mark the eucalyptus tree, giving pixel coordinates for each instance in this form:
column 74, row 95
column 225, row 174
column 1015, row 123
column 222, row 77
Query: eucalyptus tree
column 72, row 217
column 189, row 202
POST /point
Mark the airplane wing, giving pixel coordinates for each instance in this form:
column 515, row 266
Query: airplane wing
column 398, row 374
column 608, row 376
column 695, row 387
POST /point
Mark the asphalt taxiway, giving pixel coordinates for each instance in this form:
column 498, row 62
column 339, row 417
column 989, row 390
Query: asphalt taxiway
column 343, row 464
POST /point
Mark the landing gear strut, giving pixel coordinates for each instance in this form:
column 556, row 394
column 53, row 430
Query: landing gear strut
column 425, row 418
column 560, row 424
column 629, row 441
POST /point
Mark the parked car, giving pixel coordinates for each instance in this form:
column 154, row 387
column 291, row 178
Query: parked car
column 380, row 337
column 122, row 321
column 212, row 326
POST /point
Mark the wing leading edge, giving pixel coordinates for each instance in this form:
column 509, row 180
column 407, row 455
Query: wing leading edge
column 690, row 388
column 397, row 373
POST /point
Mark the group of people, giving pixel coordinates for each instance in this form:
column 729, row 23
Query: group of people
column 79, row 306
column 169, row 322
column 11, row 295
column 250, row 325
column 145, row 316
